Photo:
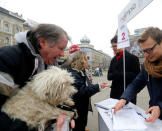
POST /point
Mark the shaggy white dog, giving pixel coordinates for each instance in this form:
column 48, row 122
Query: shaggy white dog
column 36, row 102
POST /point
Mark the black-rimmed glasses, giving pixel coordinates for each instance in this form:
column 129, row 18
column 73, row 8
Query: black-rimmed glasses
column 150, row 49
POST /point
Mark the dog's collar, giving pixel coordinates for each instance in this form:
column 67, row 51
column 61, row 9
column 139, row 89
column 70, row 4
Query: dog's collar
column 68, row 108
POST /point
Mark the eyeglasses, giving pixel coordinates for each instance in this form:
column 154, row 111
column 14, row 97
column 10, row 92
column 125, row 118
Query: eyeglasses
column 149, row 50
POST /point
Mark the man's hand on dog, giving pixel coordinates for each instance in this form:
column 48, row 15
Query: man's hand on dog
column 60, row 122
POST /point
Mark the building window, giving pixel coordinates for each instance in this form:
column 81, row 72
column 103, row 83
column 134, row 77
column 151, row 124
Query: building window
column 6, row 27
column 88, row 57
column 17, row 29
column 20, row 29
column 6, row 41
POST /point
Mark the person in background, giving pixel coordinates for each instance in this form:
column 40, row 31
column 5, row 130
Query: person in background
column 78, row 62
column 34, row 51
column 97, row 71
column 100, row 70
column 88, row 70
column 116, row 74
column 73, row 49
column 67, row 61
column 150, row 75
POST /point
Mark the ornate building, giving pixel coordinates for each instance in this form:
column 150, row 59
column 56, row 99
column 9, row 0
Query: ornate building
column 95, row 57
column 10, row 23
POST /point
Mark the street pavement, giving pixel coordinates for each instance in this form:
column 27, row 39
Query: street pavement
column 142, row 101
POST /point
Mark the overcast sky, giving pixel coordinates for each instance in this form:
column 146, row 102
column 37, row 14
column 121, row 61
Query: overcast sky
column 97, row 19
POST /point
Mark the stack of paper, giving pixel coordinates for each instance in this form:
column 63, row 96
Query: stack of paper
column 128, row 119
column 107, row 104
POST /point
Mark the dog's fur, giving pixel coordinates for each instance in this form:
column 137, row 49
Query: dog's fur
column 36, row 102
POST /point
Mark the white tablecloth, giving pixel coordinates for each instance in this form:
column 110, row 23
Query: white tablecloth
column 105, row 122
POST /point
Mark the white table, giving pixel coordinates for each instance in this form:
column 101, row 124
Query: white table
column 105, row 122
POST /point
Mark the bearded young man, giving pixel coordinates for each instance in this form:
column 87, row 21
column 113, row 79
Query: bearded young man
column 150, row 75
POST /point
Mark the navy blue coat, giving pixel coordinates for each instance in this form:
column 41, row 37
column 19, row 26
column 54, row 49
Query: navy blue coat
column 81, row 98
column 154, row 86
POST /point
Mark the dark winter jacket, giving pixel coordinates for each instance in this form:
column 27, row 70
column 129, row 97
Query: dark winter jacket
column 81, row 98
column 8, row 124
column 17, row 64
column 115, row 73
column 154, row 86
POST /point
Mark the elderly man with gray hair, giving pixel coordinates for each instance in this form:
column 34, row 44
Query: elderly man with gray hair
column 34, row 51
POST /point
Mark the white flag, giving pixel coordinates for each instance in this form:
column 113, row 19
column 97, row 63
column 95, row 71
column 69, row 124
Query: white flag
column 123, row 39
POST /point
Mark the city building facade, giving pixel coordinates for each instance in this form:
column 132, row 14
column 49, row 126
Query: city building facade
column 95, row 57
column 135, row 46
column 10, row 24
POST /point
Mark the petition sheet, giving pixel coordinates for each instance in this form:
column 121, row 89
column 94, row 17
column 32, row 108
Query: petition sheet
column 128, row 119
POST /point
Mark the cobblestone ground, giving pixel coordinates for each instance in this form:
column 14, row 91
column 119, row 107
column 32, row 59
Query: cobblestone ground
column 142, row 101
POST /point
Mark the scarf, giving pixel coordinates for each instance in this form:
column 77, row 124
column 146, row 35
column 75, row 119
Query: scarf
column 154, row 68
column 119, row 55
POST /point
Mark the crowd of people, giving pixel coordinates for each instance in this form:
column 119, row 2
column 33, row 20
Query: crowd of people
column 98, row 71
column 39, row 48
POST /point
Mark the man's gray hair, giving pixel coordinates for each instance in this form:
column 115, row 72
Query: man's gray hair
column 49, row 32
